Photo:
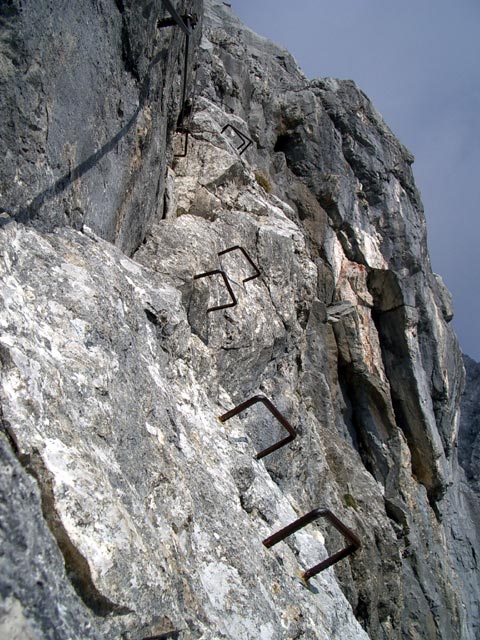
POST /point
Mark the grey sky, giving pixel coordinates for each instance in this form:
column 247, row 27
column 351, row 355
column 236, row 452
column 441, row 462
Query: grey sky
column 419, row 62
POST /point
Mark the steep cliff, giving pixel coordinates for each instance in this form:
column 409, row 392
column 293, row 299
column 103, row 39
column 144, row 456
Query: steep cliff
column 90, row 96
column 466, row 492
column 469, row 433
column 115, row 369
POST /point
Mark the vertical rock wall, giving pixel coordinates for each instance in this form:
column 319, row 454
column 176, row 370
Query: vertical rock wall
column 90, row 95
column 469, row 436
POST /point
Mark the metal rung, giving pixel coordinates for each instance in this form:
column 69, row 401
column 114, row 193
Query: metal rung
column 257, row 270
column 306, row 519
column 227, row 284
column 187, row 23
column 245, row 140
column 168, row 635
column 274, row 411
column 183, row 22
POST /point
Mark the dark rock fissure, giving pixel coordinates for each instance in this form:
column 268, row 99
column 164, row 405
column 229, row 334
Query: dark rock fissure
column 76, row 565
column 127, row 55
column 364, row 422
column 469, row 431
column 394, row 353
column 389, row 317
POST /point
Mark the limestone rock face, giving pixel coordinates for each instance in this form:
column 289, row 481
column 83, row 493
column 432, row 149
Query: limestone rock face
column 158, row 508
column 115, row 370
column 467, row 537
column 90, row 94
column 469, row 435
column 37, row 599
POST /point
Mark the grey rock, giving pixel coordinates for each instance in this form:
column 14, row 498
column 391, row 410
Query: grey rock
column 391, row 371
column 90, row 95
column 143, row 486
column 446, row 302
column 339, row 310
column 37, row 598
column 469, row 431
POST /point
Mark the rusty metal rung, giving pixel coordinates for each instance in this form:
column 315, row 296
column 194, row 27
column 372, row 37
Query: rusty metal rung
column 274, row 411
column 185, row 22
column 168, row 635
column 245, row 140
column 306, row 519
column 257, row 270
column 227, row 284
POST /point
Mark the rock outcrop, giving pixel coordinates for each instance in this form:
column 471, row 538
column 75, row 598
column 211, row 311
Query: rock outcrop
column 469, row 434
column 465, row 519
column 114, row 371
column 90, row 96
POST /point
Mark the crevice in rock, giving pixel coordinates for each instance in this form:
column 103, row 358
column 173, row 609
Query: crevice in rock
column 284, row 143
column 8, row 9
column 469, row 428
column 291, row 144
column 151, row 317
column 6, row 429
column 391, row 322
column 174, row 635
column 363, row 417
column 397, row 513
column 127, row 55
column 76, row 565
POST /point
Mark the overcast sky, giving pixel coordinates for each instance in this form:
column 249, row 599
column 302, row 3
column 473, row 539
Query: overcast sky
column 419, row 62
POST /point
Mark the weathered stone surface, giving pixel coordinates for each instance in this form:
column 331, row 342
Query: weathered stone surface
column 469, row 433
column 90, row 94
column 465, row 510
column 114, row 374
column 158, row 509
column 37, row 599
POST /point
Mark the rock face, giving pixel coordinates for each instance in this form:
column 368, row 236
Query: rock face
column 114, row 371
column 469, row 434
column 38, row 600
column 466, row 538
column 90, row 95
